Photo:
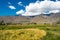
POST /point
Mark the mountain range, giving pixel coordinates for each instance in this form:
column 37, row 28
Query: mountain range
column 39, row 19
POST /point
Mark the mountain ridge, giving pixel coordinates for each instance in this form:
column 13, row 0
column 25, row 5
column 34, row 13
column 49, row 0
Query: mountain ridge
column 39, row 19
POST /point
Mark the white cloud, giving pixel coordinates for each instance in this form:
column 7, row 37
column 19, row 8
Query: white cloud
column 20, row 12
column 54, row 11
column 9, row 3
column 12, row 7
column 38, row 8
column 20, row 3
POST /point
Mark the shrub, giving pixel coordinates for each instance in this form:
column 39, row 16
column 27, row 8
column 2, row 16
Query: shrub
column 2, row 22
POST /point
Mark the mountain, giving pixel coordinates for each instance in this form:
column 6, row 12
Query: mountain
column 39, row 19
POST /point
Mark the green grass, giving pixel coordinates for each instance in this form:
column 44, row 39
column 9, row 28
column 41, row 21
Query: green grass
column 7, row 27
column 53, row 31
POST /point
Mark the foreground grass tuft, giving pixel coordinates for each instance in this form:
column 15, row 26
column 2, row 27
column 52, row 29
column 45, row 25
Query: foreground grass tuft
column 22, row 34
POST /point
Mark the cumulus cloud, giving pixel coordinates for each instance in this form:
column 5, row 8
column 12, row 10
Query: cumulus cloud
column 20, row 12
column 12, row 7
column 54, row 11
column 42, row 7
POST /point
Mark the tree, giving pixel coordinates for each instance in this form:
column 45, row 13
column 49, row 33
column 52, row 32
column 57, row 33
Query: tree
column 2, row 22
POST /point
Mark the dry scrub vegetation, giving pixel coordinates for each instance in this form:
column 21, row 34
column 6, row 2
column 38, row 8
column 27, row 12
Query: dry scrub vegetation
column 22, row 34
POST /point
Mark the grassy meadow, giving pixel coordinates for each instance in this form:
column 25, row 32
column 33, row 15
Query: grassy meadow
column 30, row 32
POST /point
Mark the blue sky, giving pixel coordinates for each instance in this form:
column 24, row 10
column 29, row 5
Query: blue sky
column 6, row 11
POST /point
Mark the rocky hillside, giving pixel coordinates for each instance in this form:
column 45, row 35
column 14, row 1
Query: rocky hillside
column 43, row 18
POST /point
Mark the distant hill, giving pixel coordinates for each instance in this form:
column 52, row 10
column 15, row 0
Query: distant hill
column 39, row 19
